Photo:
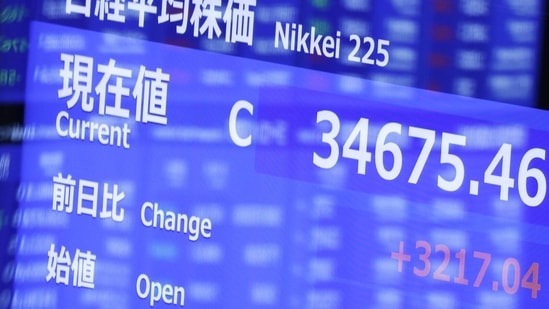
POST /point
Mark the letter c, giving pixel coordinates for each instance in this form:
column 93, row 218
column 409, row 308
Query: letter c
column 60, row 116
column 143, row 218
column 237, row 139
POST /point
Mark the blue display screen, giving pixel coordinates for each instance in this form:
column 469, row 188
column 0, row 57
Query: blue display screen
column 284, row 154
column 160, row 176
column 475, row 48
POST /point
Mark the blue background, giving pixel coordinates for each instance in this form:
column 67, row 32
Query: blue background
column 285, row 234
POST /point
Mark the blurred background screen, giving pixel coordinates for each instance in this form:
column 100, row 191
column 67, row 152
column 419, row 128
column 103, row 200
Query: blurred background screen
column 281, row 154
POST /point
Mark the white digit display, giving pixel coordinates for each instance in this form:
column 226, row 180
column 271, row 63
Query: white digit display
column 504, row 180
column 429, row 137
column 447, row 158
column 389, row 158
column 536, row 174
column 382, row 146
column 361, row 154
column 328, row 138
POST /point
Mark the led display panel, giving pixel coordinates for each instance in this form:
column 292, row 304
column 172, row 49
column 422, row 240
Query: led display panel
column 241, row 154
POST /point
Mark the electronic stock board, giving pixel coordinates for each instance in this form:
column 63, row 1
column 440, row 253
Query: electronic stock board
column 242, row 154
